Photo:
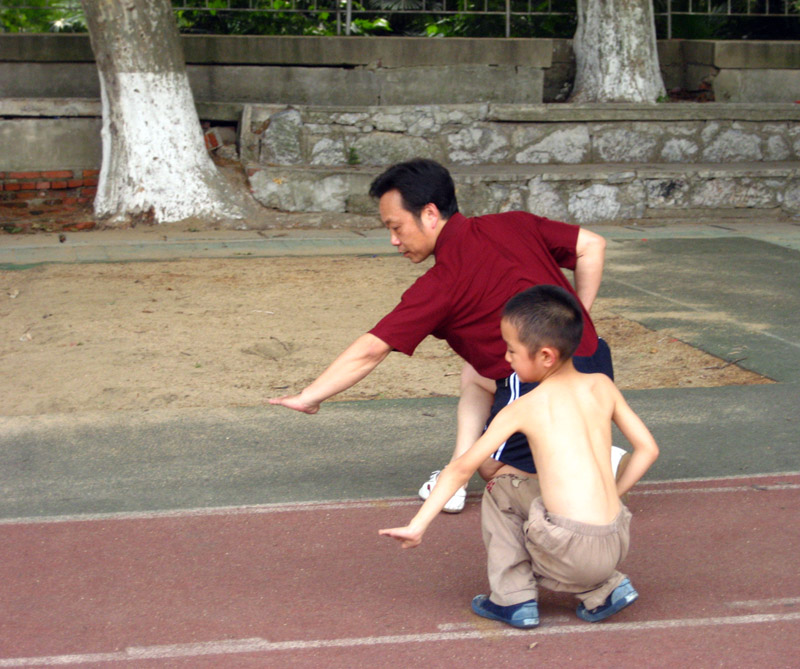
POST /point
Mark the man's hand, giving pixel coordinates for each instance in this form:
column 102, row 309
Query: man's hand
column 357, row 360
column 294, row 402
column 408, row 536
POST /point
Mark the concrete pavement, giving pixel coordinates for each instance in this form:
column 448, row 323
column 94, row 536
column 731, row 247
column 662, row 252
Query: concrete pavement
column 730, row 290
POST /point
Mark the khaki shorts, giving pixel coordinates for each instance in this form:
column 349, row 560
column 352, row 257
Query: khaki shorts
column 526, row 544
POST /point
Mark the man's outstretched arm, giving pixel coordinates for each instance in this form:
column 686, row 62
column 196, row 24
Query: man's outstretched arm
column 357, row 360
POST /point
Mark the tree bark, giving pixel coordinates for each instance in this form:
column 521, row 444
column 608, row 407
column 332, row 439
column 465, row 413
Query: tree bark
column 616, row 57
column 155, row 164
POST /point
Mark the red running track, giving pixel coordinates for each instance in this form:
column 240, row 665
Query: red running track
column 313, row 585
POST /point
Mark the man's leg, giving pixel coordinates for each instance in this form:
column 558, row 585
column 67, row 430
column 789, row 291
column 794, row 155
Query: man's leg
column 474, row 404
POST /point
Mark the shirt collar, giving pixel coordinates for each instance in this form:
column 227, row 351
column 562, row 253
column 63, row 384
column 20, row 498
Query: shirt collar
column 448, row 231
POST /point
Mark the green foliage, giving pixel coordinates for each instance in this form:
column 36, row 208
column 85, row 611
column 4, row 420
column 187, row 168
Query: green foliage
column 466, row 24
column 405, row 17
column 284, row 18
column 41, row 16
column 721, row 27
column 712, row 20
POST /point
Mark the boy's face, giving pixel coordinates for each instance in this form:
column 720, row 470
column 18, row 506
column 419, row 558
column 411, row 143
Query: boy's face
column 528, row 366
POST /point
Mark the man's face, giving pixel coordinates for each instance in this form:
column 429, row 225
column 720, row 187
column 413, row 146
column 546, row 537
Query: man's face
column 413, row 236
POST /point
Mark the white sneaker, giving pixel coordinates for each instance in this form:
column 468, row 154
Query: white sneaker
column 619, row 461
column 425, row 490
column 617, row 454
column 454, row 505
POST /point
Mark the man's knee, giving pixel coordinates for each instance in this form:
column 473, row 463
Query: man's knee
column 489, row 468
column 471, row 378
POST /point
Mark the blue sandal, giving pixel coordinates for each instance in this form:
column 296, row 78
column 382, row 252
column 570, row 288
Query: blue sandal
column 522, row 615
column 622, row 596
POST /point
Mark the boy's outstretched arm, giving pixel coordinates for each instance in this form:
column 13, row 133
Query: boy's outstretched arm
column 454, row 476
column 645, row 449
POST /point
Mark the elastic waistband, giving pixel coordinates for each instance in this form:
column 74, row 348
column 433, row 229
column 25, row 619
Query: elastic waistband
column 587, row 528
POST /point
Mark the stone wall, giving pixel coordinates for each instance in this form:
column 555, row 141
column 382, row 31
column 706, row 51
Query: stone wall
column 586, row 164
column 576, row 194
column 335, row 118
column 754, row 71
column 520, row 135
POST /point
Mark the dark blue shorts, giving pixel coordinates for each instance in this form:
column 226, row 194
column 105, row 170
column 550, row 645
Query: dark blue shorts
column 515, row 451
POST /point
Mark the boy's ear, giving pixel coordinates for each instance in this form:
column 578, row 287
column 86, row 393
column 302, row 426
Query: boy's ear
column 549, row 356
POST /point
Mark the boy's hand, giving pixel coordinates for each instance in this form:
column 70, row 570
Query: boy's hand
column 408, row 536
column 294, row 402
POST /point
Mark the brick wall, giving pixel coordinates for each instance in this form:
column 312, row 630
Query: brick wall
column 32, row 193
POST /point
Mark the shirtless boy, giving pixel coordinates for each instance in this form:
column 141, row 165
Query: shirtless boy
column 565, row 527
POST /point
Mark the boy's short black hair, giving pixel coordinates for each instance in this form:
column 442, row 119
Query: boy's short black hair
column 419, row 182
column 546, row 315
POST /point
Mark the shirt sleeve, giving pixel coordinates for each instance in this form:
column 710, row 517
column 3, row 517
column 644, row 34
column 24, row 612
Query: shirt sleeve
column 560, row 239
column 423, row 308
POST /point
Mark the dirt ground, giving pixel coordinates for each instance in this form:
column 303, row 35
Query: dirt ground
column 234, row 332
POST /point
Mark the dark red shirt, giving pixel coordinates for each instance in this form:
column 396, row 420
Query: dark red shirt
column 480, row 264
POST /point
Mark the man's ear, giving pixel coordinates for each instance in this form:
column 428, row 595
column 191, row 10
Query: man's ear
column 549, row 356
column 430, row 216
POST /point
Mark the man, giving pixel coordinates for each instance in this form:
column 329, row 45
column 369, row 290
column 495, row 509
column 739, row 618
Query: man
column 480, row 264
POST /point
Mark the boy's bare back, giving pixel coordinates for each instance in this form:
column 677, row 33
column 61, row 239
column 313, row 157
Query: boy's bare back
column 567, row 420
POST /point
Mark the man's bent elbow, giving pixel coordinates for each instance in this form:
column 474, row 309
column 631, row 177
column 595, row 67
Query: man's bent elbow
column 590, row 243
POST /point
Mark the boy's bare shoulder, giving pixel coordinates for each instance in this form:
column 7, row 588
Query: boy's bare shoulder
column 552, row 390
column 598, row 379
column 602, row 387
column 578, row 386
column 535, row 400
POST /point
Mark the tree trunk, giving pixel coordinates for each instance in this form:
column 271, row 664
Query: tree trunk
column 616, row 57
column 155, row 164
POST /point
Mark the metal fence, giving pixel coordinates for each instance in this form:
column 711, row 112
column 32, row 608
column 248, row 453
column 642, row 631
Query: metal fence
column 347, row 17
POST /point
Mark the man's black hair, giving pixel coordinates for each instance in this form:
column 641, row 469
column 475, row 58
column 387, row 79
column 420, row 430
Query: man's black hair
column 419, row 182
column 546, row 315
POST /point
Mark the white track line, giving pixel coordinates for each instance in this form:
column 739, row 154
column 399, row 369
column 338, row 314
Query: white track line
column 741, row 488
column 702, row 479
column 239, row 646
column 286, row 507
column 281, row 507
column 763, row 603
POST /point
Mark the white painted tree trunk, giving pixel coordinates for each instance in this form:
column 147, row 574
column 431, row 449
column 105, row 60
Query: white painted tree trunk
column 155, row 163
column 616, row 57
